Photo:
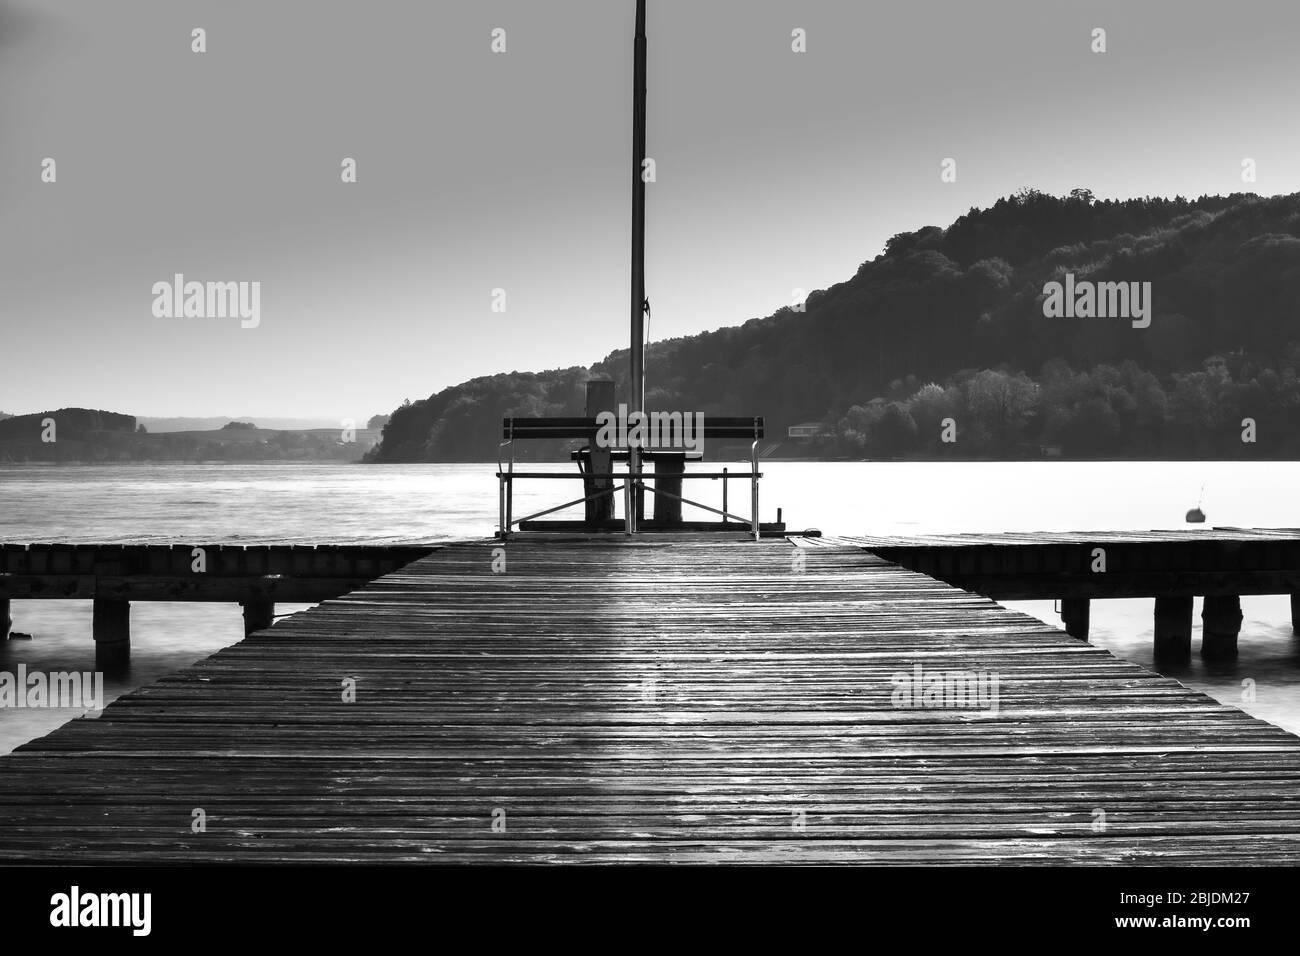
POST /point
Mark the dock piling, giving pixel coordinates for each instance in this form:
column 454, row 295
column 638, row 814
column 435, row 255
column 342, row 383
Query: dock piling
column 259, row 614
column 111, row 627
column 1220, row 624
column 1075, row 615
column 1295, row 614
column 6, row 621
column 1173, row 628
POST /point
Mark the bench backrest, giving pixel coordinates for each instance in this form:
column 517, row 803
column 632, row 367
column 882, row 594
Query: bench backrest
column 750, row 427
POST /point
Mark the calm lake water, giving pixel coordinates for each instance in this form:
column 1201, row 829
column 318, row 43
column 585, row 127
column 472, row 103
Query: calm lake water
column 338, row 503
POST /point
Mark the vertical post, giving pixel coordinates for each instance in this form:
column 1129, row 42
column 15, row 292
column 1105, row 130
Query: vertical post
column 1075, row 614
column 6, row 621
column 510, row 487
column 259, row 614
column 636, row 401
column 1173, row 626
column 638, row 494
column 510, row 499
column 503, row 528
column 600, row 398
column 1295, row 614
column 669, row 467
column 725, row 509
column 753, row 484
column 1220, row 625
column 111, row 628
column 501, row 507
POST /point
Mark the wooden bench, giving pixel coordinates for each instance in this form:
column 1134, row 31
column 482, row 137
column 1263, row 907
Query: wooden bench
column 586, row 428
column 595, row 465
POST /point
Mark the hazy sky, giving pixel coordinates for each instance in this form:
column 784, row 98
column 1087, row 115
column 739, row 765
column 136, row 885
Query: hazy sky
column 479, row 171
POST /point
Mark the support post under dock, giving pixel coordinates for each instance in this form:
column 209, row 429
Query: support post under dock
column 1220, row 625
column 1295, row 614
column 111, row 626
column 1173, row 626
column 6, row 621
column 258, row 615
column 1075, row 615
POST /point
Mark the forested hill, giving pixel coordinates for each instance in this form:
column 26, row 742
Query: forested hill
column 949, row 322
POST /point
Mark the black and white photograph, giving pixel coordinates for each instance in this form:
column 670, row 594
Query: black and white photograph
column 483, row 449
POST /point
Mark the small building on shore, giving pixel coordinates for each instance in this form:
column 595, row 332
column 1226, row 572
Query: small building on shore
column 804, row 431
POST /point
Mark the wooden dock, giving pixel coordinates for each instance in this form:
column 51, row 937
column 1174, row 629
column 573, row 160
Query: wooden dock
column 1171, row 566
column 1040, row 565
column 666, row 699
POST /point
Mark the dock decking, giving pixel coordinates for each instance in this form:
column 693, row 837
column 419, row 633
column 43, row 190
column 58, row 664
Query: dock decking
column 659, row 699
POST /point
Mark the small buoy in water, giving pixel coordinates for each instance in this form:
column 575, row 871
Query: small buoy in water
column 1195, row 516
column 18, row 636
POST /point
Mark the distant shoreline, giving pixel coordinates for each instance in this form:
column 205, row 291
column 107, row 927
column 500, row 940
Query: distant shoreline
column 775, row 459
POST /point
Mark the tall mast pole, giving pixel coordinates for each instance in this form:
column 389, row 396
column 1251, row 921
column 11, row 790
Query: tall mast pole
column 637, row 398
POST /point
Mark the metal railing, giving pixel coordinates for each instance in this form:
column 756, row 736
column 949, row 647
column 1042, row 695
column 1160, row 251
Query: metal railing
column 631, row 484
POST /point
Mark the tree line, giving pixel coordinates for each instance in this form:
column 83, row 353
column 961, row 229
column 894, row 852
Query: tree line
column 948, row 323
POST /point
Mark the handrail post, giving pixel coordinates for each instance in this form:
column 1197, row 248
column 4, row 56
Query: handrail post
column 503, row 529
column 725, row 509
column 753, row 480
column 629, row 521
column 510, row 504
column 510, row 487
